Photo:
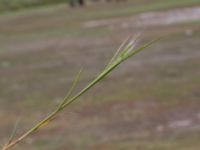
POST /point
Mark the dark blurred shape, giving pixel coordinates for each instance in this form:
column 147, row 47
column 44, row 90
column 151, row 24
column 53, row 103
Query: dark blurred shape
column 72, row 3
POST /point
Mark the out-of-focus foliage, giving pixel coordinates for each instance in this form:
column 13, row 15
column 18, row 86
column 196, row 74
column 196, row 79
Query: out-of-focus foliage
column 7, row 5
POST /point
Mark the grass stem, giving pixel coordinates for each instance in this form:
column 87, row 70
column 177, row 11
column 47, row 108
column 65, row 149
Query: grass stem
column 124, row 52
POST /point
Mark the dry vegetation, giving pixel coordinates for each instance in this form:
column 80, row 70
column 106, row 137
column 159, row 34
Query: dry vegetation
column 149, row 103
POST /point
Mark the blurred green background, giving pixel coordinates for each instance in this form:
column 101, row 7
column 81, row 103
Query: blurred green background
column 151, row 102
column 9, row 5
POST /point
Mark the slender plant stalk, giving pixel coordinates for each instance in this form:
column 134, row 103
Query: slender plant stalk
column 125, row 51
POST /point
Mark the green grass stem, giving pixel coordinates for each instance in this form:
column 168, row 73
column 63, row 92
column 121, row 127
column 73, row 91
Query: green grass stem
column 126, row 50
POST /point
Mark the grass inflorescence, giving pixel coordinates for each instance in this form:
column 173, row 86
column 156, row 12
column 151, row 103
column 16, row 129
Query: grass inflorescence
column 125, row 51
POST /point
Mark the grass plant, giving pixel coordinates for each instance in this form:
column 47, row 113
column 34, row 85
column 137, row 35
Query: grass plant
column 125, row 51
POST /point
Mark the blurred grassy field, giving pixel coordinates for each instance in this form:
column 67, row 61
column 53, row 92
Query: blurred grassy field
column 6, row 6
column 151, row 102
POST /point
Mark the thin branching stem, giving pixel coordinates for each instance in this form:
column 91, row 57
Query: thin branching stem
column 125, row 51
